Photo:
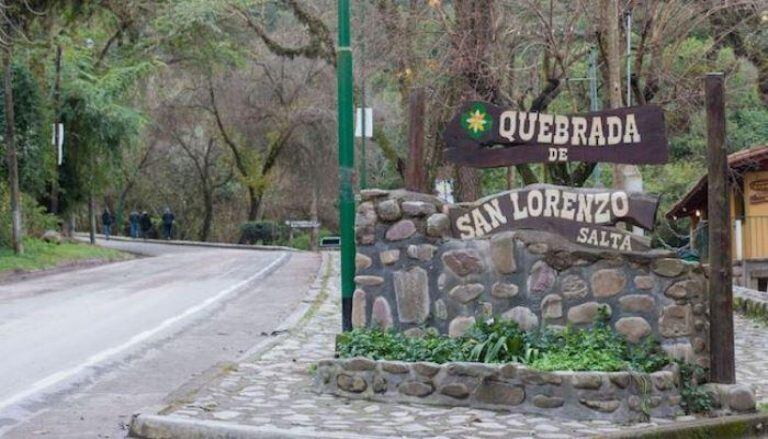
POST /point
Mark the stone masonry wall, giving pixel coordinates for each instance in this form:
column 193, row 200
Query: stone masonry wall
column 412, row 276
column 614, row 396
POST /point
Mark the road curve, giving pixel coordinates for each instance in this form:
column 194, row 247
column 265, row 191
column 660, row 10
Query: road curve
column 60, row 330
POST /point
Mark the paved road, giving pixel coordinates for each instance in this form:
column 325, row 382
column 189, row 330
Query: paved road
column 81, row 351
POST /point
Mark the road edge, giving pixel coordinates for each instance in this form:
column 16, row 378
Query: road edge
column 223, row 245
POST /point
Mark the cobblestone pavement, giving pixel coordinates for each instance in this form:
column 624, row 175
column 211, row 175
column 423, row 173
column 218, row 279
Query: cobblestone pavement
column 273, row 390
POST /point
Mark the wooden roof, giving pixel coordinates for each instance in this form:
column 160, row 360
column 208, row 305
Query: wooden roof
column 753, row 159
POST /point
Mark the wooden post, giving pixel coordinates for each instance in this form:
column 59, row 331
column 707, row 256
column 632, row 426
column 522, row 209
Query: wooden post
column 722, row 365
column 414, row 174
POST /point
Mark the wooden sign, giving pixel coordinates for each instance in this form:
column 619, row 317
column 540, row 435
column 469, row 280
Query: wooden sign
column 485, row 136
column 581, row 215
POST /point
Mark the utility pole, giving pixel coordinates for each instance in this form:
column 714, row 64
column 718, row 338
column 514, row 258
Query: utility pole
column 346, row 164
column 414, row 174
column 11, row 158
column 722, row 362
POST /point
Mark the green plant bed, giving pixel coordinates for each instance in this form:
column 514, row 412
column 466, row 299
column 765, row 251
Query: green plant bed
column 39, row 255
column 502, row 341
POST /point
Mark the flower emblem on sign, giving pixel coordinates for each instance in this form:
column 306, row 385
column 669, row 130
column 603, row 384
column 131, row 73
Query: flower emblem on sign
column 476, row 121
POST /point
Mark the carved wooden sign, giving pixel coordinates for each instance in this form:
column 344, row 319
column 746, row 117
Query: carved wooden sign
column 584, row 216
column 484, row 136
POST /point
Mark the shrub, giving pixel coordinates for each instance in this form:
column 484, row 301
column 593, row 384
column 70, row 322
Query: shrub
column 35, row 220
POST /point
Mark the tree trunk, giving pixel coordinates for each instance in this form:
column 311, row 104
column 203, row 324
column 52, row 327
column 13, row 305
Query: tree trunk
column 12, row 162
column 53, row 205
column 415, row 175
column 91, row 218
column 205, row 231
column 315, row 232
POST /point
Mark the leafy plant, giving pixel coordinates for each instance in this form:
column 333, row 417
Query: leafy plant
column 694, row 398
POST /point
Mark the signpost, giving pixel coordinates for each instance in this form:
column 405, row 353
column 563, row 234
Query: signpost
column 580, row 215
column 346, row 164
column 483, row 135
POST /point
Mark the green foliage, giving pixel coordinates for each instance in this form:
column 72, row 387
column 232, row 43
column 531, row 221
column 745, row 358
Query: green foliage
column 500, row 341
column 34, row 217
column 39, row 255
column 694, row 398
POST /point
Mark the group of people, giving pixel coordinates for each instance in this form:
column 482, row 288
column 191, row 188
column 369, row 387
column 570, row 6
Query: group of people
column 141, row 223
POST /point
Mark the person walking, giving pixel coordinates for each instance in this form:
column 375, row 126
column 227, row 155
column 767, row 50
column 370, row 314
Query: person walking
column 145, row 222
column 106, row 222
column 167, row 223
column 134, row 220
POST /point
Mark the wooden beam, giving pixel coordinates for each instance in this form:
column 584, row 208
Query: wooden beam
column 414, row 176
column 722, row 364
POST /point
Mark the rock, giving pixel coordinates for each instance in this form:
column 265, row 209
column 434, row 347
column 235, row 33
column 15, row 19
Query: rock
column 366, row 215
column 395, row 367
column 502, row 290
column 401, row 230
column 441, row 311
column 415, row 388
column 365, row 235
column 637, row 303
column 573, row 287
column 633, row 328
column 542, row 278
column 538, row 248
column 441, row 281
column 643, row 282
column 381, row 314
column 663, row 380
column 389, row 257
column 679, row 351
column 438, row 225
column 503, row 253
column 548, row 402
column 607, row 283
column 369, row 281
column 499, row 393
column 699, row 344
column 412, row 295
column 418, row 208
column 423, row 252
column 379, row 384
column 552, row 307
column 414, row 333
column 668, row 267
column 51, row 237
column 389, row 210
column 683, row 289
column 359, row 364
column 676, row 321
column 586, row 313
column 463, row 262
column 509, row 370
column 426, row 368
column 351, row 383
column 587, row 380
column 524, row 317
column 455, row 390
column 459, row 326
column 601, row 406
column 362, row 261
column 466, row 293
column 619, row 379
column 471, row 369
column 741, row 398
column 358, row 309
column 372, row 194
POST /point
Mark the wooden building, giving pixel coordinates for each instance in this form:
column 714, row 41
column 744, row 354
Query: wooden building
column 749, row 216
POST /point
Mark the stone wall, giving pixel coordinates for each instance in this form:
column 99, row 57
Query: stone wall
column 412, row 276
column 614, row 396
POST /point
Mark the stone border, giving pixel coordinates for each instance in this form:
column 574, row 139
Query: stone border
column 751, row 303
column 612, row 396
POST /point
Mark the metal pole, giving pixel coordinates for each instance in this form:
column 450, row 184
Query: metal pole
column 346, row 164
column 722, row 362
column 363, row 161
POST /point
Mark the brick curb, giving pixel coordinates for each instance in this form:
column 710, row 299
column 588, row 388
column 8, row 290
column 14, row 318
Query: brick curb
column 738, row 426
column 199, row 243
column 167, row 427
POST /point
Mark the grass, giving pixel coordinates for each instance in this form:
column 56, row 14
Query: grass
column 39, row 255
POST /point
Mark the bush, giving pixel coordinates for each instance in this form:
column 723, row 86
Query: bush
column 499, row 341
column 35, row 220
column 256, row 232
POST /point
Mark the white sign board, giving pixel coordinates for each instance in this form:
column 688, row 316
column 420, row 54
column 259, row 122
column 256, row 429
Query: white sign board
column 368, row 122
column 57, row 140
